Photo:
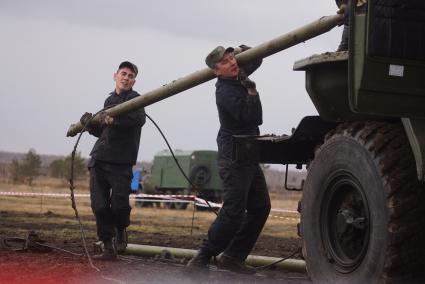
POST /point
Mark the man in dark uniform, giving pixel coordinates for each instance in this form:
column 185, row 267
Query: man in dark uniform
column 112, row 159
column 246, row 202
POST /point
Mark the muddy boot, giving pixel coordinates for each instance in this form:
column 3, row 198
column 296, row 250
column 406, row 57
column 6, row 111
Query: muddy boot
column 108, row 253
column 121, row 240
column 200, row 261
column 235, row 265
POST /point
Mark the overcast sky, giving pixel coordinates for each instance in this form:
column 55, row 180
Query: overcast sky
column 58, row 58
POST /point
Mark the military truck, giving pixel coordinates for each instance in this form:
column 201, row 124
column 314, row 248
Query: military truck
column 364, row 196
column 363, row 202
column 200, row 166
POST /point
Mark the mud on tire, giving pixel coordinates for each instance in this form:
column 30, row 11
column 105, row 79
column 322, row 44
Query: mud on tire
column 363, row 209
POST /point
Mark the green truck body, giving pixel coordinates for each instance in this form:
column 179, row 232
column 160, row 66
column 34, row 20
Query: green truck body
column 200, row 166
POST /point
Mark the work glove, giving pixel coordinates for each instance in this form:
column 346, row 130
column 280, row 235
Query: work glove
column 105, row 119
column 249, row 85
column 241, row 48
column 245, row 81
column 342, row 9
column 343, row 12
column 86, row 119
column 244, row 47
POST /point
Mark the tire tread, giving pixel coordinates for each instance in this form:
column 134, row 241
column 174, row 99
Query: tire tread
column 388, row 147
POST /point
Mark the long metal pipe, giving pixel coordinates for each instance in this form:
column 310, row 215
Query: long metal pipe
column 318, row 27
column 295, row 265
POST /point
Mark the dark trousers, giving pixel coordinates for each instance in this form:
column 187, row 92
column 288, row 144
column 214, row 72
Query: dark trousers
column 109, row 195
column 246, row 206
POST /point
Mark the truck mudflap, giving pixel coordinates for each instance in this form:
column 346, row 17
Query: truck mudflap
column 415, row 131
column 297, row 148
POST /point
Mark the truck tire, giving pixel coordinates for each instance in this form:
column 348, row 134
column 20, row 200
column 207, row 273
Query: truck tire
column 200, row 174
column 363, row 208
column 175, row 205
column 169, row 205
column 140, row 203
column 180, row 205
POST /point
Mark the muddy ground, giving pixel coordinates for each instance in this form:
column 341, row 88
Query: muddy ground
column 55, row 224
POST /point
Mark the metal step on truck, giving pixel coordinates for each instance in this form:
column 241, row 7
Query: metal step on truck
column 363, row 201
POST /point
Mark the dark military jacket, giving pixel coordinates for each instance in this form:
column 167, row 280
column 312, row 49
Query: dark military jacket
column 118, row 143
column 239, row 113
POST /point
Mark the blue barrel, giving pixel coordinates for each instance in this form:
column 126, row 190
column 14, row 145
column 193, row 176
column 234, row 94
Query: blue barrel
column 135, row 182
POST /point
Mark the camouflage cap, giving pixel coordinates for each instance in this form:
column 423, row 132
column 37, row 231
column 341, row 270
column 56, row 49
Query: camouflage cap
column 129, row 65
column 216, row 55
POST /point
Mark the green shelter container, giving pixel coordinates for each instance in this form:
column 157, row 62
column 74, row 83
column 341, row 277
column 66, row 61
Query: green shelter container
column 200, row 166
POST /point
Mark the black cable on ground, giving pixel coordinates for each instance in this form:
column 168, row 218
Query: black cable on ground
column 295, row 252
column 72, row 187
column 28, row 244
column 74, row 206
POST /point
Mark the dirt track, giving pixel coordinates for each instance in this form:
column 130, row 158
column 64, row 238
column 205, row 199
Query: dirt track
column 55, row 223
column 56, row 267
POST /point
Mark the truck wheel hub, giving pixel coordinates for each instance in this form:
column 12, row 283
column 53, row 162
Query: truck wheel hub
column 344, row 219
